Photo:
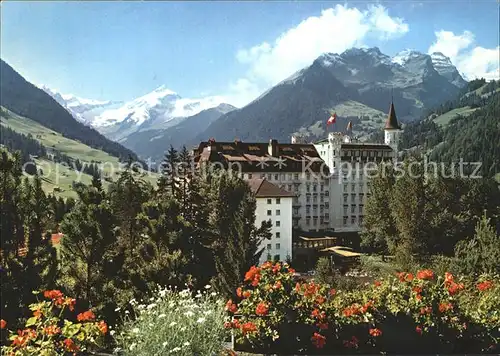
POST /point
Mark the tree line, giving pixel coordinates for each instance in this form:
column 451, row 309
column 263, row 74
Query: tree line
column 417, row 216
column 195, row 228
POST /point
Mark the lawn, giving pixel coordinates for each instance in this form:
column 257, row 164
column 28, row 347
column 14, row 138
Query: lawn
column 443, row 120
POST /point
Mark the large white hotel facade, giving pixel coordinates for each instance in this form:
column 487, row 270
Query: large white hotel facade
column 327, row 179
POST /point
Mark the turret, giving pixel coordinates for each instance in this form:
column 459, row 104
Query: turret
column 392, row 130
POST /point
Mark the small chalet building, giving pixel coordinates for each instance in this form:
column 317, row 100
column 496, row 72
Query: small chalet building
column 274, row 204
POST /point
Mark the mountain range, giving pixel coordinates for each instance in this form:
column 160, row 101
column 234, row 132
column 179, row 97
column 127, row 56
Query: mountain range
column 358, row 84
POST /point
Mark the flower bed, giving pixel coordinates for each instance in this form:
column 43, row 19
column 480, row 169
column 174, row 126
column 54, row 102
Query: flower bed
column 174, row 323
column 420, row 313
column 47, row 333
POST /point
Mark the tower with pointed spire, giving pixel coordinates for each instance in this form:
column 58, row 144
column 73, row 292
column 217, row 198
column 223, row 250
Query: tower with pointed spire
column 392, row 130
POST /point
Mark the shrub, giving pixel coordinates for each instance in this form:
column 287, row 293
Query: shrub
column 46, row 333
column 421, row 312
column 174, row 322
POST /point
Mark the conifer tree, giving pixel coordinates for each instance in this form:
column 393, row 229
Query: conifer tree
column 169, row 173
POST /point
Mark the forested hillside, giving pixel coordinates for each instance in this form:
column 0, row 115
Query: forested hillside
column 466, row 128
column 23, row 98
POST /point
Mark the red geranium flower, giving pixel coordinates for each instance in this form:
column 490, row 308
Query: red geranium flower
column 70, row 345
column 448, row 277
column 375, row 332
column 53, row 294
column 228, row 325
column 261, row 309
column 426, row 310
column 252, row 273
column 443, row 307
column 318, row 340
column 3, row 324
column 419, row 330
column 425, row 274
column 276, row 268
column 231, row 307
column 248, row 327
column 239, row 292
column 246, row 294
column 484, row 285
column 103, row 327
column 377, row 283
column 277, row 285
column 51, row 330
column 85, row 316
column 332, row 292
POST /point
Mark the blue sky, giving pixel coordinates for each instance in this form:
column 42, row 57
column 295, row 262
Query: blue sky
column 121, row 50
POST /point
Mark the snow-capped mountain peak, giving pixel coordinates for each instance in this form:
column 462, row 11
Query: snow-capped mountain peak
column 81, row 109
column 405, row 56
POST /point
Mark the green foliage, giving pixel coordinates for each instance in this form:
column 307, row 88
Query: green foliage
column 481, row 254
column 28, row 260
column 323, row 272
column 174, row 322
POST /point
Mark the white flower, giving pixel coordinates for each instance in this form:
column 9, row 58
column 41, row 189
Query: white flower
column 112, row 332
column 175, row 349
column 207, row 312
column 133, row 301
column 198, row 295
column 165, row 344
column 187, row 343
column 117, row 309
column 208, row 286
column 173, row 323
column 127, row 312
column 151, row 299
column 135, row 330
column 213, row 294
column 151, row 306
column 162, row 316
column 162, row 293
column 189, row 313
column 201, row 320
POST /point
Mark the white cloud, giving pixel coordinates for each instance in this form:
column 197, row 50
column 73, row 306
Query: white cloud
column 475, row 62
column 334, row 30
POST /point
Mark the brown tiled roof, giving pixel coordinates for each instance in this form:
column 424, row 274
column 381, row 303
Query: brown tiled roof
column 256, row 157
column 392, row 121
column 262, row 188
column 365, row 146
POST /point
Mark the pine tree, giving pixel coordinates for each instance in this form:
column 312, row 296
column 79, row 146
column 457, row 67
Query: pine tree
column 379, row 230
column 167, row 183
column 237, row 240
column 88, row 244
column 481, row 253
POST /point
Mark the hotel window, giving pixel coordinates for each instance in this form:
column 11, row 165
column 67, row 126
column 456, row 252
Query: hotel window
column 269, row 177
column 269, row 201
column 361, row 196
column 315, row 210
column 262, row 176
column 363, row 153
column 308, row 221
column 269, row 213
column 321, row 209
column 277, row 257
column 315, row 221
column 345, row 209
column 345, row 187
column 315, row 187
column 353, row 198
column 327, row 193
column 278, row 235
column 361, row 220
column 308, row 199
column 295, row 211
column 276, row 177
column 327, row 215
column 321, row 187
column 315, row 199
column 296, row 176
column 326, row 205
column 308, row 210
column 356, row 153
column 249, row 175
column 353, row 220
column 308, row 176
column 345, row 198
column 360, row 187
column 321, row 198
column 278, row 200
column 361, row 209
column 295, row 222
column 277, row 213
column 289, row 176
column 353, row 187
column 268, row 246
column 278, row 223
column 289, row 187
column 308, row 188
column 353, row 209
column 282, row 176
column 345, row 220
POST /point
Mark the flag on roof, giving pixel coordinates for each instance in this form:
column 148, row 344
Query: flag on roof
column 332, row 119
